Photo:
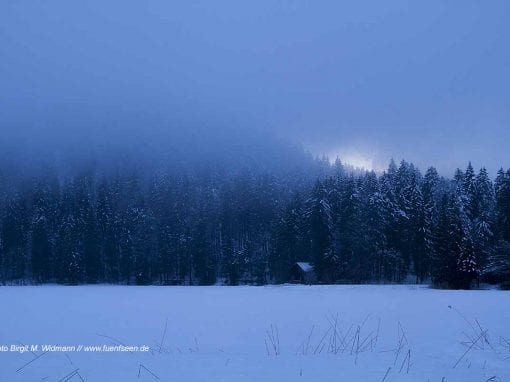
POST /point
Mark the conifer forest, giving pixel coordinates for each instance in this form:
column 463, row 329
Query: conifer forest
column 211, row 223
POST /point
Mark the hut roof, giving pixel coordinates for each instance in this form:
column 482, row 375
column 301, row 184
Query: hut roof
column 305, row 267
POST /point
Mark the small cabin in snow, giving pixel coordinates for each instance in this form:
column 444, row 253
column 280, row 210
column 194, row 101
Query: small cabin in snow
column 303, row 273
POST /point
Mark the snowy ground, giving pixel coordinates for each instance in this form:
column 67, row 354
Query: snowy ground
column 320, row 333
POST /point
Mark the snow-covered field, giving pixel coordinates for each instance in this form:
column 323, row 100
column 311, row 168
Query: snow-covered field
column 274, row 333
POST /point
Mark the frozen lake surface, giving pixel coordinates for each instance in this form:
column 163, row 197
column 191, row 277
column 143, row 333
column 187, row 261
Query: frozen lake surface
column 274, row 333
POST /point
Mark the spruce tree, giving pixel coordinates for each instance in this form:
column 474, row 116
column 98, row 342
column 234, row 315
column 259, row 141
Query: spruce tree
column 502, row 189
column 288, row 241
column 14, row 240
column 483, row 222
column 430, row 212
column 319, row 225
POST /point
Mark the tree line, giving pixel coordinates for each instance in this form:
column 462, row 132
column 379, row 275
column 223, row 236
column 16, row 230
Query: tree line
column 211, row 225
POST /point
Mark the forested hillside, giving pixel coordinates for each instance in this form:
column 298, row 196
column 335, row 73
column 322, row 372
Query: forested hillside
column 211, row 223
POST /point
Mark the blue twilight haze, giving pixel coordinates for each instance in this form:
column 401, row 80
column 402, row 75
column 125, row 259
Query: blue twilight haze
column 367, row 80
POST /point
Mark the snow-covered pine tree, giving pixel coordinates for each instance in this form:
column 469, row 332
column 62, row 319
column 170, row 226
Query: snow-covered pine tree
column 14, row 240
column 390, row 209
column 409, row 205
column 469, row 193
column 287, row 247
column 416, row 243
column 108, row 227
column 69, row 253
column 43, row 219
column 203, row 265
column 430, row 212
column 319, row 226
column 498, row 265
column 344, row 255
column 502, row 189
column 467, row 269
column 376, row 262
column 483, row 218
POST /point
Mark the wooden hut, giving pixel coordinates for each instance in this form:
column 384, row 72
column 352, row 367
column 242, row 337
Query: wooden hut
column 302, row 273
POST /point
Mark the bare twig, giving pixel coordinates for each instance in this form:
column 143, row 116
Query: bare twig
column 34, row 359
column 163, row 336
column 273, row 338
column 146, row 369
column 67, row 377
column 468, row 349
column 386, row 375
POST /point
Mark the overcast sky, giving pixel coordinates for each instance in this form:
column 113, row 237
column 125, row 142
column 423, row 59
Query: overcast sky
column 428, row 81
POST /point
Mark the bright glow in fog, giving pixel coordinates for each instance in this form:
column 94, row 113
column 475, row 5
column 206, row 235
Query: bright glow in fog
column 357, row 159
